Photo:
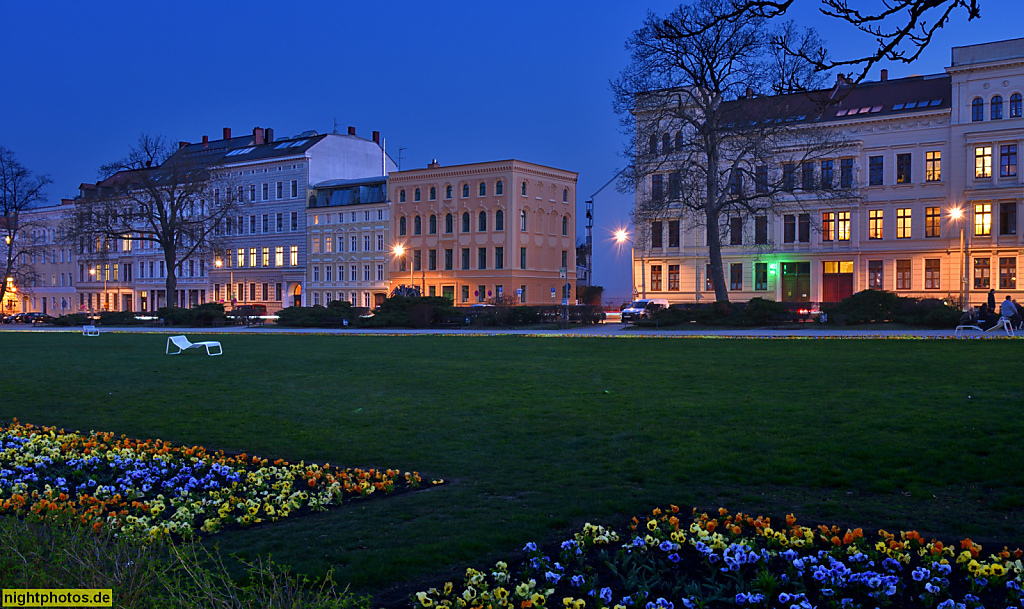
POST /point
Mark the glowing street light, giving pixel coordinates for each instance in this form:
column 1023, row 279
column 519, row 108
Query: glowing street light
column 231, row 285
column 93, row 272
column 400, row 251
column 621, row 237
column 956, row 214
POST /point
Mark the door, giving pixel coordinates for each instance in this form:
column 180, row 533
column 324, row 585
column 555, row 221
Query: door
column 796, row 281
column 836, row 280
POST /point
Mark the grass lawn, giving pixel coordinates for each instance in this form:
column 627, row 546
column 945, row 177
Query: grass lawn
column 538, row 435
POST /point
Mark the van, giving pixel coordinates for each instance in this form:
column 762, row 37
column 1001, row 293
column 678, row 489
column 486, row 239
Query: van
column 642, row 309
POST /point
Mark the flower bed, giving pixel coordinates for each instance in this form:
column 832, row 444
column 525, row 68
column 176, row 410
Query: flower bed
column 663, row 562
column 156, row 489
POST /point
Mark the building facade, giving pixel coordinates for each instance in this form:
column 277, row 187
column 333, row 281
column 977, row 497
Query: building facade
column 481, row 232
column 924, row 158
column 51, row 288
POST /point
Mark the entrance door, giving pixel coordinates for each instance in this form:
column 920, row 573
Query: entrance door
column 836, row 280
column 796, row 281
column 126, row 302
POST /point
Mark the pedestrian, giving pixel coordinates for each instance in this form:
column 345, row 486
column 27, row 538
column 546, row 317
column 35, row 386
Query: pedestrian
column 992, row 300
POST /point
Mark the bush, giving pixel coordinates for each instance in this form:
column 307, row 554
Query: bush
column 865, row 307
column 73, row 319
column 174, row 316
column 759, row 311
column 671, row 316
column 522, row 315
column 208, row 314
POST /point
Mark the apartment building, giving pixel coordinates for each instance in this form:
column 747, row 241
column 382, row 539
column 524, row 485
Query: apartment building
column 924, row 160
column 49, row 285
column 479, row 232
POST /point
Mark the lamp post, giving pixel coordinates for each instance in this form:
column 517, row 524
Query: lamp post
column 231, row 280
column 93, row 272
column 957, row 215
column 400, row 252
column 621, row 237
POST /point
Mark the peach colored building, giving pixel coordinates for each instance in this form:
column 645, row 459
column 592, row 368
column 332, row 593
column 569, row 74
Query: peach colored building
column 483, row 231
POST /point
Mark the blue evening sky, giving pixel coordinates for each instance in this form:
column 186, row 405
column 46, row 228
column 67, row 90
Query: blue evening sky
column 458, row 81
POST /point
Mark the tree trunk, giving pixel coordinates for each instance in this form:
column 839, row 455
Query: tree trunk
column 171, row 285
column 715, row 255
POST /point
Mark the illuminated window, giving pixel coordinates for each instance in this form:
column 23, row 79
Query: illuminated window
column 828, row 226
column 328, row 244
column 266, row 256
column 843, row 226
column 293, row 256
column 316, row 245
column 874, row 224
column 241, row 258
column 933, row 166
column 252, row 257
column 932, row 222
column 983, row 162
column 982, row 219
column 903, row 225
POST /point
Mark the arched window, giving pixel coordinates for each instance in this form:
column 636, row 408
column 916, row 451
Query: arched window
column 416, row 195
column 679, row 140
column 449, row 224
column 1015, row 105
column 483, row 189
column 565, row 226
column 997, row 107
column 499, row 188
column 482, row 224
column 448, row 192
column 524, row 188
column 417, row 226
column 433, row 224
column 465, row 190
column 433, row 193
column 499, row 219
column 401, row 226
column 522, row 221
column 565, row 195
column 401, row 196
column 666, row 144
column 653, row 144
column 465, row 221
column 977, row 109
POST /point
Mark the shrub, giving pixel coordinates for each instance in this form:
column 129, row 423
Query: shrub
column 671, row 316
column 73, row 319
column 759, row 311
column 207, row 314
column 522, row 315
column 865, row 307
column 174, row 316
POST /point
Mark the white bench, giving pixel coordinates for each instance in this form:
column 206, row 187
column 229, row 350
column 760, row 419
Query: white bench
column 183, row 344
column 90, row 331
column 963, row 327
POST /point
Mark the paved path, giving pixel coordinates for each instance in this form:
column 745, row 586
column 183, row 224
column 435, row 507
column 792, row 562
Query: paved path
column 600, row 330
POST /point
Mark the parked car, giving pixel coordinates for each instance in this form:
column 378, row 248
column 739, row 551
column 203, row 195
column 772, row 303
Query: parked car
column 248, row 314
column 642, row 309
column 17, row 318
column 38, row 318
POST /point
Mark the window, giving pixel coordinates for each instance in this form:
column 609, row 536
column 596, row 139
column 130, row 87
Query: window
column 524, row 188
column 760, row 275
column 522, row 257
column 735, row 230
column 417, row 226
column 983, row 162
column 652, row 145
column 903, row 163
column 417, row 261
column 875, row 279
column 499, row 219
column 433, row 224
column 522, row 221
column 709, row 282
column 433, row 193
column 465, row 221
column 280, row 190
column 789, row 228
column 279, row 256
column 679, row 140
column 465, row 258
column 1008, row 273
column 657, row 187
column 448, row 191
column 843, row 226
column 977, row 110
column 827, row 172
column 932, row 222
column 788, row 170
column 465, row 293
column 736, row 276
column 565, row 195
column 252, row 257
column 656, row 277
column 499, row 258
column 499, row 188
column 481, row 258
column 903, row 225
column 673, row 277
column 656, row 234
column 565, row 226
column 673, row 233
column 735, row 182
column 416, row 195
column 982, row 219
column 483, row 189
column 760, row 179
column 761, row 229
column 807, row 175
column 316, row 245
column 666, row 143
column 982, row 273
column 266, row 191
column 846, row 173
column 465, row 191
column 293, row 255
column 401, row 227
column 366, row 243
column 828, row 226
column 448, row 262
column 295, row 188
column 401, row 196
column 931, row 274
column 933, row 166
column 1007, row 218
column 354, row 244
column 902, row 274
column 252, row 192
column 1008, row 161
column 996, row 111
column 482, row 222
column 316, row 273
column 876, row 171
column 875, row 224
column 1015, row 105
column 295, row 220
column 449, row 224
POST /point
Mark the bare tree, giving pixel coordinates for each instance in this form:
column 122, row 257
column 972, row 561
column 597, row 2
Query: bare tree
column 706, row 146
column 158, row 195
column 902, row 29
column 20, row 191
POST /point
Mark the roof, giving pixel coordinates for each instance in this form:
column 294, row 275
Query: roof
column 237, row 149
column 352, row 182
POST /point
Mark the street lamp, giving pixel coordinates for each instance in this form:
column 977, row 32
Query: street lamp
column 400, row 251
column 956, row 214
column 93, row 272
column 621, row 237
column 231, row 285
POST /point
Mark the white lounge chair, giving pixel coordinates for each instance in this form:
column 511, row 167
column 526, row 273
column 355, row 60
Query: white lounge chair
column 90, row 331
column 1004, row 323
column 183, row 343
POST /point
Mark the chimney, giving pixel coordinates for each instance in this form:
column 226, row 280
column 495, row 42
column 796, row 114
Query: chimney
column 270, row 134
column 227, row 133
column 351, row 130
column 257, row 136
column 206, row 141
column 182, row 144
column 750, row 92
column 376, row 137
column 433, row 164
column 885, row 75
